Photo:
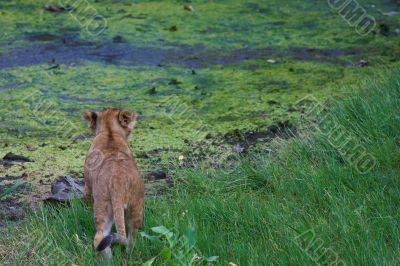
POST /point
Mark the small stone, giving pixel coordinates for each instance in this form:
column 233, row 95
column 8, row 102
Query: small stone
column 237, row 148
column 66, row 188
column 271, row 61
column 188, row 8
column 53, row 8
column 362, row 63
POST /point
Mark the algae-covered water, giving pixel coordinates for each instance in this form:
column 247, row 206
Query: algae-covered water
column 214, row 78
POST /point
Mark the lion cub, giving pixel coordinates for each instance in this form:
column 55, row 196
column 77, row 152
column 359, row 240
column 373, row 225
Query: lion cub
column 112, row 180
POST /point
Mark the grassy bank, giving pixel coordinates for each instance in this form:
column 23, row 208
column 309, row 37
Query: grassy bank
column 309, row 202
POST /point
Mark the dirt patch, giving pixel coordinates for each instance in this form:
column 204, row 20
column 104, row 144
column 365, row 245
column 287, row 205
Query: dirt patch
column 11, row 209
column 282, row 130
column 223, row 151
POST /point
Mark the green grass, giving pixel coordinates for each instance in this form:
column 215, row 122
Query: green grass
column 270, row 209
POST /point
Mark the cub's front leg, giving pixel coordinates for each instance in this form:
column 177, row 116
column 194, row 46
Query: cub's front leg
column 88, row 195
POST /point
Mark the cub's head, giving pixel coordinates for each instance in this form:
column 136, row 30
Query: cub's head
column 111, row 120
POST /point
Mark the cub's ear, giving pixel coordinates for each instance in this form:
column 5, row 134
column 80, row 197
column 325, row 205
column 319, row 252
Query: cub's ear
column 127, row 119
column 91, row 117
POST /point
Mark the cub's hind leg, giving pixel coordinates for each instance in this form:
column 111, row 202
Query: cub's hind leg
column 135, row 217
column 103, row 220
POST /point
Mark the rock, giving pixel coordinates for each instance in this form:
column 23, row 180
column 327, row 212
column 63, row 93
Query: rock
column 188, row 8
column 237, row 148
column 271, row 61
column 361, row 63
column 156, row 175
column 66, row 188
column 11, row 157
column 53, row 8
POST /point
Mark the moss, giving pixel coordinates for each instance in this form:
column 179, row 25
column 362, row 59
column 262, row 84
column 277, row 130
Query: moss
column 227, row 66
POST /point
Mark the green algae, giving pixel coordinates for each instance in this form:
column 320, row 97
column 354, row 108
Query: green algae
column 180, row 102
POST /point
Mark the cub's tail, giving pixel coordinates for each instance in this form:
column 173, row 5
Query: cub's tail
column 111, row 239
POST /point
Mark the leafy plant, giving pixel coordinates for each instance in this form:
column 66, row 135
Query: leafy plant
column 177, row 249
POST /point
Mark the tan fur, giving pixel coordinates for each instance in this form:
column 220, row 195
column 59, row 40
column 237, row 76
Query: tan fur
column 112, row 179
